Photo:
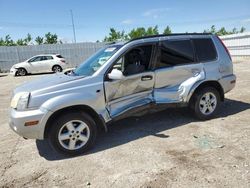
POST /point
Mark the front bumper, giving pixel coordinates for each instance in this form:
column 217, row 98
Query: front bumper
column 13, row 71
column 18, row 119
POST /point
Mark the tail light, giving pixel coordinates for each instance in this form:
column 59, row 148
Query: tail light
column 225, row 48
column 63, row 61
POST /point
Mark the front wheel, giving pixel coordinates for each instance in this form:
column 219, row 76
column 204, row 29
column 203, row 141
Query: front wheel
column 206, row 103
column 73, row 134
column 21, row 72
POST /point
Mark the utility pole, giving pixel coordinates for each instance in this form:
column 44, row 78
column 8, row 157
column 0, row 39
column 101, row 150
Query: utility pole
column 73, row 25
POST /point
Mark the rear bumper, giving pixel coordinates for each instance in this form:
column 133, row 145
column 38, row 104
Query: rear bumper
column 18, row 119
column 228, row 82
column 64, row 65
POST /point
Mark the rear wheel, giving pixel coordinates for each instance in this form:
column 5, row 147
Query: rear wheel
column 205, row 103
column 73, row 134
column 57, row 68
column 21, row 72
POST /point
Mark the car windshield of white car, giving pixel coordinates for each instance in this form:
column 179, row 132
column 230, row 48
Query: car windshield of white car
column 92, row 64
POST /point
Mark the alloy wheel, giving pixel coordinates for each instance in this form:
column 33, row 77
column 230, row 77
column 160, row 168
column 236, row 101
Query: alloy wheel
column 74, row 135
column 57, row 69
column 21, row 72
column 208, row 103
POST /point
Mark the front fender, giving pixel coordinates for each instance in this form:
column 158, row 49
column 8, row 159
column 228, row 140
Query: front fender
column 93, row 100
column 71, row 99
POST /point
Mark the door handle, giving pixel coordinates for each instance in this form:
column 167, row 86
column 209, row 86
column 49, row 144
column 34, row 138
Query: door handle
column 146, row 78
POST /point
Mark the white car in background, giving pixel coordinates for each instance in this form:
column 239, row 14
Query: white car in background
column 39, row 63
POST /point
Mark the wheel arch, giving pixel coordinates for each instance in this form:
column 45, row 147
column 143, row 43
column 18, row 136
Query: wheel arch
column 27, row 71
column 211, row 83
column 83, row 108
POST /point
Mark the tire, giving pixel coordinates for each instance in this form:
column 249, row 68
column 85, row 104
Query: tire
column 206, row 103
column 16, row 74
column 21, row 72
column 57, row 68
column 73, row 134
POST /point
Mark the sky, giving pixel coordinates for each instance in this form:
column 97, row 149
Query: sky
column 93, row 18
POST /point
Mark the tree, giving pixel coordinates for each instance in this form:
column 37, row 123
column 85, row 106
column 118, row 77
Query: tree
column 21, row 42
column 142, row 32
column 234, row 31
column 8, row 41
column 2, row 43
column 167, row 30
column 213, row 29
column 137, row 33
column 50, row 38
column 114, row 35
column 28, row 39
column 222, row 31
column 152, row 31
column 39, row 40
column 242, row 29
column 24, row 42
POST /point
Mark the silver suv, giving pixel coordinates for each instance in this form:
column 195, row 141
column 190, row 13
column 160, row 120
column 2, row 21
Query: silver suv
column 120, row 80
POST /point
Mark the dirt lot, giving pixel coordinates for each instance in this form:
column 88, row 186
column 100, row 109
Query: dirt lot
column 167, row 149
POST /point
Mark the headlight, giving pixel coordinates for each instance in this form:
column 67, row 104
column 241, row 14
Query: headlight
column 20, row 101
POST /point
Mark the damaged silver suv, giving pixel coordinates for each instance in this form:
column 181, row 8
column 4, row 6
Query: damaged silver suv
column 156, row 72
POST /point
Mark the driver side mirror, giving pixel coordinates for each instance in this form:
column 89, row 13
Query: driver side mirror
column 115, row 75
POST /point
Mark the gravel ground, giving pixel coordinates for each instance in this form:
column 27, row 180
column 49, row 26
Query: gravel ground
column 165, row 149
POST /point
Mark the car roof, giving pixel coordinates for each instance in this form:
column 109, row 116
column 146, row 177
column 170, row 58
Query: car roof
column 46, row 55
column 154, row 38
column 169, row 35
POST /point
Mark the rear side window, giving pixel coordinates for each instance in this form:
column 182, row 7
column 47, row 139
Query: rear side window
column 49, row 57
column 205, row 49
column 175, row 53
column 35, row 59
column 59, row 56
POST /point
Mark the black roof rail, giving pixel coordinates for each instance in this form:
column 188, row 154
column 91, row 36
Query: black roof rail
column 110, row 43
column 167, row 35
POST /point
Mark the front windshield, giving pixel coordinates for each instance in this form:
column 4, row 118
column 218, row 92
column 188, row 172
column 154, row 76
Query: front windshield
column 91, row 65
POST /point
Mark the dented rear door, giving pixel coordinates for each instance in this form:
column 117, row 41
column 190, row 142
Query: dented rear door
column 176, row 71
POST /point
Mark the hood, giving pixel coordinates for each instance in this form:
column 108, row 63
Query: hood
column 45, row 82
column 17, row 65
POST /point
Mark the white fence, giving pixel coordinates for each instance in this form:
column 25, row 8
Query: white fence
column 238, row 45
column 73, row 53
